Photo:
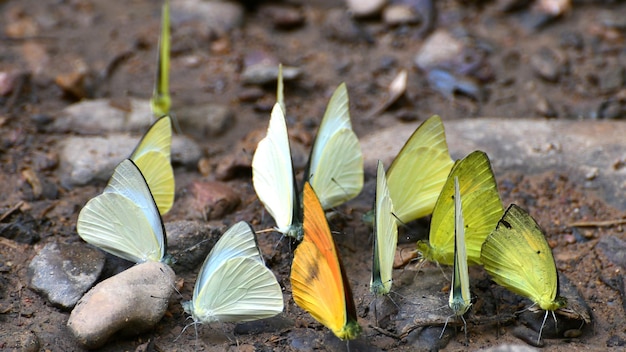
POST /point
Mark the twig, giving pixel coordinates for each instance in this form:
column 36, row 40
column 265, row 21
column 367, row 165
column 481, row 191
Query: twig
column 11, row 211
column 604, row 223
column 385, row 332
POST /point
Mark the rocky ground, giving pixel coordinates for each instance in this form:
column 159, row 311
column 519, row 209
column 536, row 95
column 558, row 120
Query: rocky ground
column 76, row 76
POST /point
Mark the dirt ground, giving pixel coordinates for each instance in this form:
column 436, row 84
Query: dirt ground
column 112, row 46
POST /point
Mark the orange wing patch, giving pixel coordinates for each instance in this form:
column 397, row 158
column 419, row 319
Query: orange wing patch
column 318, row 284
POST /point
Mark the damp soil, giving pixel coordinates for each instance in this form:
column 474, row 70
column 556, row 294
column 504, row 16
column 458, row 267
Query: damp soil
column 115, row 41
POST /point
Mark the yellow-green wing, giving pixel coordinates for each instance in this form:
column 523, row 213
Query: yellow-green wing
column 482, row 209
column 161, row 101
column 385, row 237
column 418, row 173
column 460, row 299
column 152, row 156
column 336, row 163
column 519, row 258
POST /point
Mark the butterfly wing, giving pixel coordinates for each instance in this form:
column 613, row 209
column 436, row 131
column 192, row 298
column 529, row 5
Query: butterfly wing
column 318, row 281
column 272, row 173
column 336, row 163
column 482, row 209
column 460, row 299
column 418, row 173
column 385, row 237
column 519, row 258
column 239, row 289
column 124, row 219
column 161, row 101
column 237, row 241
column 152, row 156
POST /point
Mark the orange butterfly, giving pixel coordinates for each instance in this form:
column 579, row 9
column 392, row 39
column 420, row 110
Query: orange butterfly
column 318, row 280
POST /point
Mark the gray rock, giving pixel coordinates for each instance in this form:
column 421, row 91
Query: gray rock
column 531, row 146
column 365, row 8
column 84, row 159
column 510, row 348
column 439, row 47
column 397, row 14
column 129, row 303
column 97, row 116
column 63, row 273
column 206, row 120
column 219, row 16
column 189, row 242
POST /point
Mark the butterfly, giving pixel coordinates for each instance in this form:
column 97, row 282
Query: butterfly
column 482, row 210
column 152, row 156
column 318, row 280
column 518, row 257
column 419, row 171
column 234, row 285
column 124, row 219
column 161, row 102
column 335, row 168
column 460, row 300
column 385, row 236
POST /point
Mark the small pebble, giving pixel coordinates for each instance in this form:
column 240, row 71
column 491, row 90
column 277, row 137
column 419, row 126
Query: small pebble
column 189, row 242
column 365, row 8
column 63, row 273
column 210, row 200
column 548, row 64
column 130, row 302
column 208, row 120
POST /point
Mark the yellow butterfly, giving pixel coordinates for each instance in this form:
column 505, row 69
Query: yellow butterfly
column 385, row 237
column 124, row 219
column 460, row 300
column 335, row 168
column 161, row 101
column 518, row 257
column 318, row 280
column 152, row 156
column 234, row 285
column 418, row 173
column 482, row 210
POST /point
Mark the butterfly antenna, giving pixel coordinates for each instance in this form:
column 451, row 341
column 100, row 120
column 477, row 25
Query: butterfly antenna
column 542, row 325
column 444, row 326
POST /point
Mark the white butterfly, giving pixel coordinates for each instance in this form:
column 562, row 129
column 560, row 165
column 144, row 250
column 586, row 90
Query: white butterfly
column 234, row 285
column 124, row 219
column 335, row 168
column 385, row 236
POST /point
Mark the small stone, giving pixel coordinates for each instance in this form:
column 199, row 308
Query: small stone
column 548, row 64
column 208, row 120
column 7, row 82
column 611, row 80
column 439, row 47
column 84, row 159
column 130, row 302
column 189, row 242
column 72, row 83
column 365, row 8
column 63, row 273
column 36, row 57
column 283, row 17
column 97, row 116
column 339, row 25
column 249, row 95
column 398, row 14
column 210, row 200
column 261, row 67
column 218, row 16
